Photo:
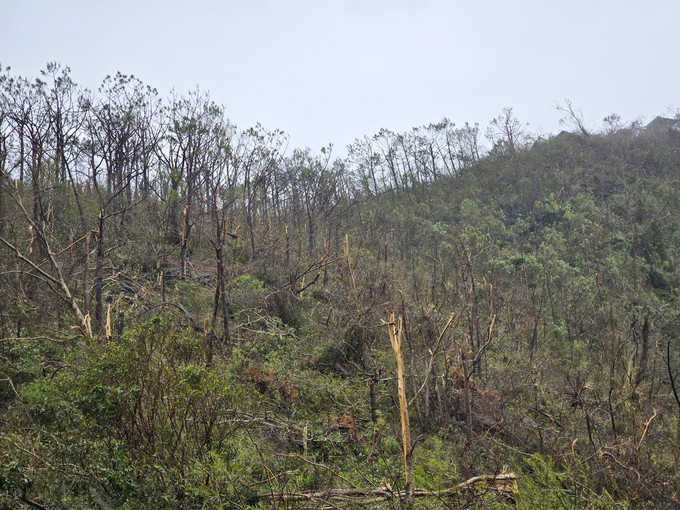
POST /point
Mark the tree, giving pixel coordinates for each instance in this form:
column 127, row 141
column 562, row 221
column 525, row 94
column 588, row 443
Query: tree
column 612, row 124
column 573, row 118
column 194, row 138
column 221, row 177
column 118, row 142
column 30, row 119
column 366, row 163
column 64, row 101
column 314, row 182
column 5, row 144
column 507, row 133
column 257, row 153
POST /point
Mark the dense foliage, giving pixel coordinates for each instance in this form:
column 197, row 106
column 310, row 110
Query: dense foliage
column 194, row 315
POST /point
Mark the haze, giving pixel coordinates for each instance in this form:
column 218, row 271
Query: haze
column 330, row 72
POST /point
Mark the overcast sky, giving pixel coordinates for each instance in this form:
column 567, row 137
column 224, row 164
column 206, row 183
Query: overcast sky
column 332, row 71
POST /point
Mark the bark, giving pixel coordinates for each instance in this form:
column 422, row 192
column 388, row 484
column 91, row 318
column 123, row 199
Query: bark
column 396, row 337
column 58, row 280
column 644, row 352
column 184, row 244
column 99, row 272
column 504, row 483
column 373, row 395
column 86, row 275
column 467, row 394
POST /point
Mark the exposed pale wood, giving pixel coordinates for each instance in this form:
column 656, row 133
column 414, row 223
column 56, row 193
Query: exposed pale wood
column 396, row 336
column 505, row 483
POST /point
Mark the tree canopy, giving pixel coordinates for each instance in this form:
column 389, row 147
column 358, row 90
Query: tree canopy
column 196, row 315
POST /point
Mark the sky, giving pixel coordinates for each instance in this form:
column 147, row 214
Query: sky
column 333, row 71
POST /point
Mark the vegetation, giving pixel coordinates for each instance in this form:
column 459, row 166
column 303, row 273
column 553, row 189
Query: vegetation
column 193, row 316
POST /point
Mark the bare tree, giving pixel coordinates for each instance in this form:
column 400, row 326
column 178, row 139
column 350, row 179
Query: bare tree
column 64, row 102
column 258, row 153
column 506, row 132
column 112, row 145
column 573, row 117
column 386, row 142
column 612, row 124
column 5, row 144
column 49, row 270
column 194, row 137
column 366, row 162
column 221, row 178
column 29, row 116
column 314, row 182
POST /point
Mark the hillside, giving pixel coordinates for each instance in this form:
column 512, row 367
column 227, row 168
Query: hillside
column 193, row 315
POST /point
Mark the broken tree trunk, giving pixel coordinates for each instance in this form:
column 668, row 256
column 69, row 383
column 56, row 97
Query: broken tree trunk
column 396, row 337
column 504, row 483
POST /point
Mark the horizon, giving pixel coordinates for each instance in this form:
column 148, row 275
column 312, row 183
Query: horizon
column 331, row 73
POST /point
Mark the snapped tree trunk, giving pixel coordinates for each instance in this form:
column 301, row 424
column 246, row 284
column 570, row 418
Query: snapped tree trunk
column 467, row 394
column 99, row 273
column 396, row 338
column 644, row 352
column 86, row 275
column 184, row 245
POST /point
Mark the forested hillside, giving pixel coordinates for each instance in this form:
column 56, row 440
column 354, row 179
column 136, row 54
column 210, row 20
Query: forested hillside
column 195, row 315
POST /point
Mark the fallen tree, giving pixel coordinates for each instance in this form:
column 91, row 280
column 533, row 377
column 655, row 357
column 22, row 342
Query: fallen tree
column 502, row 484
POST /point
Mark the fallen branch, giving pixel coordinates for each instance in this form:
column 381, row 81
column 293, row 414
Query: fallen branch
column 644, row 433
column 58, row 280
column 428, row 370
column 29, row 502
column 186, row 313
column 505, row 483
